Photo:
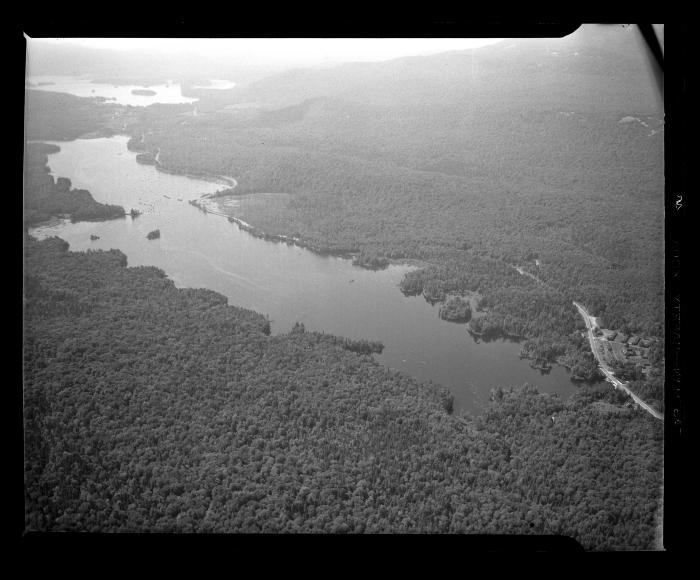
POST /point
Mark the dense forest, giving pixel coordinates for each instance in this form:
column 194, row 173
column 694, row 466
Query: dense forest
column 64, row 117
column 152, row 408
column 598, row 238
column 546, row 154
column 548, row 158
column 46, row 197
column 455, row 161
column 473, row 163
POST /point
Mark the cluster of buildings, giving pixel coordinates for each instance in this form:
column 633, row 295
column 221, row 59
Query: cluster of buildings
column 614, row 336
column 624, row 348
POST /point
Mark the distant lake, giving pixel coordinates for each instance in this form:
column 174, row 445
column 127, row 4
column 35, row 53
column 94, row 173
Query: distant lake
column 122, row 95
column 287, row 283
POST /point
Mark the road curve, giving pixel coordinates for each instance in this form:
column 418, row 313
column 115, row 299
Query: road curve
column 609, row 376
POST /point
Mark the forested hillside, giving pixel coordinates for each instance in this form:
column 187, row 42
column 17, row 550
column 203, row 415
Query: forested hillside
column 545, row 154
column 595, row 66
column 151, row 408
column 60, row 116
column 147, row 67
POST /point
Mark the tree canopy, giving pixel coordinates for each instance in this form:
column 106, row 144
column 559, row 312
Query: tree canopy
column 152, row 408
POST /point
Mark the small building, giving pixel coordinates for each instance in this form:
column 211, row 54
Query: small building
column 621, row 337
column 645, row 343
column 609, row 334
column 634, row 340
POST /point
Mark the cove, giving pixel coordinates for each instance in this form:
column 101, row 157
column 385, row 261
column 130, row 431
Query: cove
column 287, row 283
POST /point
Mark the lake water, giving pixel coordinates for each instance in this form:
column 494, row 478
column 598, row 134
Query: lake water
column 287, row 283
column 122, row 95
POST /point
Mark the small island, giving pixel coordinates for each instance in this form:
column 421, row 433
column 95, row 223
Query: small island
column 154, row 235
column 143, row 92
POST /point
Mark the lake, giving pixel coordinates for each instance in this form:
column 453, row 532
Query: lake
column 287, row 283
column 122, row 95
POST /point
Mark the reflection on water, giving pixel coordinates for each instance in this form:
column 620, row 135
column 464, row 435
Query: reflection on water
column 287, row 283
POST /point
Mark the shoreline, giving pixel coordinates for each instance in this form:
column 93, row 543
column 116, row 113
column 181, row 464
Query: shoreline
column 210, row 177
column 232, row 183
column 276, row 238
column 300, row 242
column 255, row 231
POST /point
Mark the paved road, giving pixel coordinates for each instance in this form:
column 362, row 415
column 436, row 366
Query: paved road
column 609, row 376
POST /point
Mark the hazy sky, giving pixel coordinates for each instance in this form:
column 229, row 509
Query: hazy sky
column 289, row 50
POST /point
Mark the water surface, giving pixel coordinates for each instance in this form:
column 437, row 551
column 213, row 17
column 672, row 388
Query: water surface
column 122, row 95
column 287, row 283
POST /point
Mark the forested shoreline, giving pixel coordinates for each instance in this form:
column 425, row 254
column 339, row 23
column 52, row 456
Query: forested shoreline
column 519, row 177
column 461, row 178
column 152, row 408
column 592, row 237
column 456, row 267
